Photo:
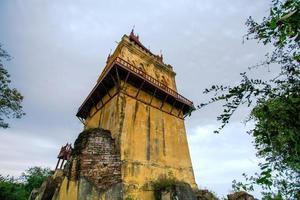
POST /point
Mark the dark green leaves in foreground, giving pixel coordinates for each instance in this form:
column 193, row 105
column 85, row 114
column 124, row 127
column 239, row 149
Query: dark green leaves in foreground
column 11, row 189
column 34, row 177
column 20, row 188
column 275, row 103
column 10, row 98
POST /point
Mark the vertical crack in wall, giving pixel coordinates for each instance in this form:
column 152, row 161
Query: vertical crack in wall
column 130, row 150
column 164, row 137
column 148, row 129
column 122, row 105
column 100, row 117
column 136, row 107
column 122, row 112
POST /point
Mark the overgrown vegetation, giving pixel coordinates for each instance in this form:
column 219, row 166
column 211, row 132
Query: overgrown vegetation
column 10, row 98
column 164, row 184
column 275, row 103
column 81, row 142
column 20, row 188
column 205, row 194
column 12, row 189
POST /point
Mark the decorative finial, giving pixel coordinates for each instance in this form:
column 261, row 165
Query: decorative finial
column 132, row 30
column 160, row 57
column 134, row 37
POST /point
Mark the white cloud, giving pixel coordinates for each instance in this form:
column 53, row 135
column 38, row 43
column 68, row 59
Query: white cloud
column 220, row 158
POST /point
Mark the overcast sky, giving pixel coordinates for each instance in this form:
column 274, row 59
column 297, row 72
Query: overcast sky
column 60, row 48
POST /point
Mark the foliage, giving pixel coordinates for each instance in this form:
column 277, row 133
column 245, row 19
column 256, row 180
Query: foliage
column 82, row 140
column 34, row 177
column 164, row 184
column 20, row 188
column 276, row 184
column 205, row 194
column 275, row 103
column 161, row 185
column 11, row 189
column 10, row 98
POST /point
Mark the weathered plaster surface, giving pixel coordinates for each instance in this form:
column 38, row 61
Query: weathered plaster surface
column 94, row 170
column 152, row 142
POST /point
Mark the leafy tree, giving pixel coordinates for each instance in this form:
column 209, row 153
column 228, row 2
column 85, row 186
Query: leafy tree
column 10, row 98
column 34, row 177
column 11, row 189
column 20, row 188
column 275, row 103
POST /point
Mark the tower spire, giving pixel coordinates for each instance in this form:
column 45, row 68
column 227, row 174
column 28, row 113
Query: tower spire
column 132, row 31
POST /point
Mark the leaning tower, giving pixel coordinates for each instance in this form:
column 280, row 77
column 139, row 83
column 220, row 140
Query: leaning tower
column 136, row 99
column 134, row 136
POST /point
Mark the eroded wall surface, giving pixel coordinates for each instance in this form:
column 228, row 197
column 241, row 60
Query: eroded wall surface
column 152, row 142
column 148, row 132
column 154, row 145
column 94, row 170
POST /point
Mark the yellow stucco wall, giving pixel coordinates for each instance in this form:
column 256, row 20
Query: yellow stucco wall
column 108, row 116
column 67, row 190
column 152, row 143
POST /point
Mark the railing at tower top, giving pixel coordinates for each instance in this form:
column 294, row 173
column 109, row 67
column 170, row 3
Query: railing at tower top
column 145, row 76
